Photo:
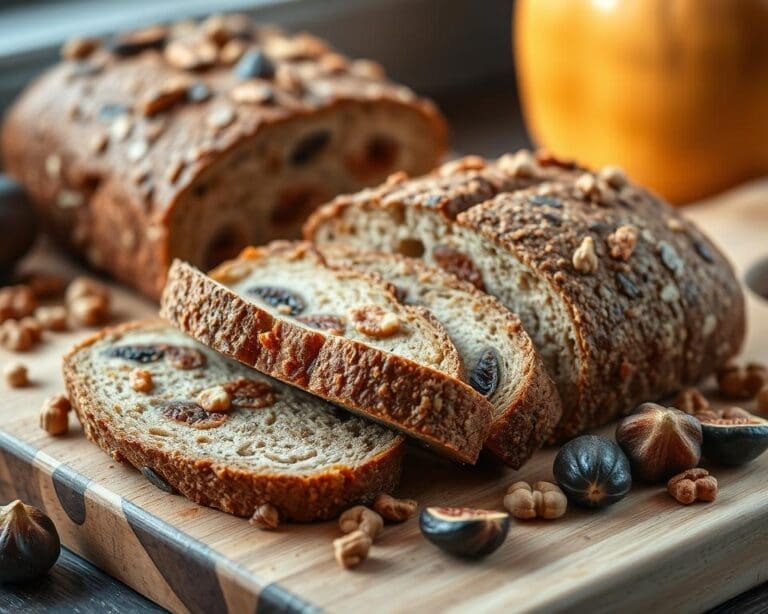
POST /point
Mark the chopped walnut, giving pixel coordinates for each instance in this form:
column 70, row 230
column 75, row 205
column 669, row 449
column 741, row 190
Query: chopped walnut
column 394, row 510
column 542, row 500
column 141, row 380
column 52, row 318
column 363, row 519
column 742, row 382
column 622, row 242
column 85, row 286
column 89, row 310
column 374, row 321
column 16, row 375
column 693, row 485
column 215, row 398
column 352, row 549
column 265, row 517
column 17, row 337
column 54, row 415
column 584, row 258
column 16, row 302
column 691, row 401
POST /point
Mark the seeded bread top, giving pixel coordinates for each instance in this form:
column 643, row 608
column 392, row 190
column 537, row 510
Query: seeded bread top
column 149, row 109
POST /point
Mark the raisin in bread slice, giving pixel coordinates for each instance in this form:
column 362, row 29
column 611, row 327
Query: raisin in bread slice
column 625, row 299
column 339, row 334
column 501, row 362
column 194, row 141
column 274, row 444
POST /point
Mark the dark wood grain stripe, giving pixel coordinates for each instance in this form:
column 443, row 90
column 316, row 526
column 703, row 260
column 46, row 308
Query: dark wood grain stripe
column 274, row 599
column 70, row 487
column 22, row 483
column 187, row 564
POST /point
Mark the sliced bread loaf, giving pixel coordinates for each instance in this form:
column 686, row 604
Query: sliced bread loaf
column 341, row 335
column 268, row 443
column 501, row 361
column 625, row 299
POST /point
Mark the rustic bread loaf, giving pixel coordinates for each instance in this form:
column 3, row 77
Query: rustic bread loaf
column 270, row 444
column 341, row 335
column 193, row 141
column 625, row 299
column 499, row 356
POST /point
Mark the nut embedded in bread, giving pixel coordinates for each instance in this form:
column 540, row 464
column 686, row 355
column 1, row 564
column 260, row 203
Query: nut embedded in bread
column 192, row 142
column 252, row 309
column 275, row 446
column 625, row 299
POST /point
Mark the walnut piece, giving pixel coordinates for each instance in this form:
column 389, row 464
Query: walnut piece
column 18, row 335
column 141, row 380
column 542, row 500
column 52, row 318
column 374, row 321
column 265, row 517
column 363, row 519
column 54, row 415
column 622, row 242
column 16, row 375
column 88, row 301
column 585, row 258
column 215, row 398
column 691, row 401
column 352, row 549
column 693, row 485
column 16, row 302
column 394, row 510
column 742, row 382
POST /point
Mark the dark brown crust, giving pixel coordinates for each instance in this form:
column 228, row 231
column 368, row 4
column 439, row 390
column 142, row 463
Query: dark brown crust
column 431, row 406
column 123, row 223
column 532, row 414
column 298, row 498
column 631, row 348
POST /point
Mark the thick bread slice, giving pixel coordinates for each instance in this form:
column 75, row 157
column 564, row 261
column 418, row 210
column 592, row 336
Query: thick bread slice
column 276, row 445
column 625, row 299
column 499, row 355
column 341, row 335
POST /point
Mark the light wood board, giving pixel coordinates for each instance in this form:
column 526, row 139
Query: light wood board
column 645, row 552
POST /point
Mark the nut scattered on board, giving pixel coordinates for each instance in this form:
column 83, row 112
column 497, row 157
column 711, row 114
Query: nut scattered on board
column 30, row 544
column 265, row 517
column 16, row 302
column 741, row 382
column 16, row 375
column 733, row 437
column 16, row 337
column 216, row 399
column 88, row 301
column 394, row 510
column 52, row 318
column 691, row 401
column 141, row 380
column 659, row 441
column 464, row 531
column 592, row 471
column 542, row 500
column 693, row 485
column 54, row 415
column 352, row 549
column 361, row 518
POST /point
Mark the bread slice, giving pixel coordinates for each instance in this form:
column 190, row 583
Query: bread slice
column 338, row 334
column 501, row 361
column 624, row 298
column 278, row 445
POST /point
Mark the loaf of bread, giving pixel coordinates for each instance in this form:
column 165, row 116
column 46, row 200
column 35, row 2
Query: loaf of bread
column 499, row 358
column 338, row 334
column 625, row 299
column 194, row 140
column 138, row 390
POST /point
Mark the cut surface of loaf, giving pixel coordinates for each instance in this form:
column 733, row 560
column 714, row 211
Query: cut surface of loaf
column 274, row 445
column 625, row 299
column 194, row 141
column 498, row 354
column 339, row 334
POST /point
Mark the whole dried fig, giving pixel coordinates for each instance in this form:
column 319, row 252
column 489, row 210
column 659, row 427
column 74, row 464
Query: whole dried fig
column 660, row 441
column 29, row 543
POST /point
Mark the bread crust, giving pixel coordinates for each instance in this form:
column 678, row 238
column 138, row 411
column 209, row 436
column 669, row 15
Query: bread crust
column 307, row 498
column 525, row 423
column 113, row 206
column 685, row 319
column 434, row 407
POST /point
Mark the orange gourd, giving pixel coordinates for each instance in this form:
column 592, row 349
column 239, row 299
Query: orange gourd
column 675, row 91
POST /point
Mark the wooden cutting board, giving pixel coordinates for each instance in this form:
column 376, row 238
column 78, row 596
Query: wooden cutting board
column 645, row 551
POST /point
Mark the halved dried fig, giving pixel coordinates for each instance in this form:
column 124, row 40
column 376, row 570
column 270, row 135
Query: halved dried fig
column 734, row 438
column 464, row 531
column 285, row 301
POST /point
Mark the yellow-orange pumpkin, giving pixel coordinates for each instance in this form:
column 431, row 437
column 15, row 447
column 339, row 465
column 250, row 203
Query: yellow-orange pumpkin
column 675, row 91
